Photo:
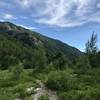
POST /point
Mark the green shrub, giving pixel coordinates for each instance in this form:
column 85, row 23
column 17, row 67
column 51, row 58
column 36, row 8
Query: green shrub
column 75, row 95
column 16, row 71
column 88, row 94
column 44, row 97
column 82, row 65
column 20, row 90
column 61, row 80
column 6, row 94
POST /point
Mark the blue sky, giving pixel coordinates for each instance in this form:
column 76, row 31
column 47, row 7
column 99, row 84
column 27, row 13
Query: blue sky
column 71, row 21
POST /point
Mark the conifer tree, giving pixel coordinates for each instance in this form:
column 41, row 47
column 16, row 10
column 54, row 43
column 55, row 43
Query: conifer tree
column 91, row 50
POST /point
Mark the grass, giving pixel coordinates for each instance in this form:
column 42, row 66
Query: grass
column 10, row 89
column 88, row 85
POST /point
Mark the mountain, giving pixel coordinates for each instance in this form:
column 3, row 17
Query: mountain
column 20, row 41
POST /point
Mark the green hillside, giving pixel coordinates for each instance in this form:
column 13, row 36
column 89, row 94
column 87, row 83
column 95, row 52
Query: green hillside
column 17, row 44
column 33, row 38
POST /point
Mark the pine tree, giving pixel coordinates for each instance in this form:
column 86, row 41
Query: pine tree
column 91, row 50
column 91, row 47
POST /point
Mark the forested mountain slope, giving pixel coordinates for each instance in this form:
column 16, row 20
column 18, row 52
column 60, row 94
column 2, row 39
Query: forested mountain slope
column 17, row 44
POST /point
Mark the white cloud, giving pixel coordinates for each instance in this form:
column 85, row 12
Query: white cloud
column 1, row 20
column 8, row 17
column 23, row 17
column 24, row 3
column 27, row 27
column 63, row 13
column 98, row 5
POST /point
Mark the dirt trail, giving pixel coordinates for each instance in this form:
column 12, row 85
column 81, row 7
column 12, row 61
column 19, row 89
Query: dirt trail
column 43, row 91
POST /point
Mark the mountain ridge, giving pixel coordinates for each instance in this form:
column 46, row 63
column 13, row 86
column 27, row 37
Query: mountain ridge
column 32, row 38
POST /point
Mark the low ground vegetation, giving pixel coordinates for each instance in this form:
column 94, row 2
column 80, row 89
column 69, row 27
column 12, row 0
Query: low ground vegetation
column 71, row 81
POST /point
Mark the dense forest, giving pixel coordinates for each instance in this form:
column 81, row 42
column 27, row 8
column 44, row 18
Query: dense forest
column 27, row 57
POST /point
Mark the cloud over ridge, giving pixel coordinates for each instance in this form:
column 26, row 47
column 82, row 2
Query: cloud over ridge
column 62, row 13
